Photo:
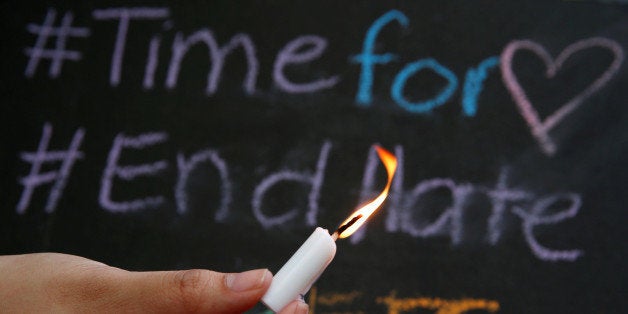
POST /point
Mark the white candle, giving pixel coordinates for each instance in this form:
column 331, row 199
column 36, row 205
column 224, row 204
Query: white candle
column 301, row 271
column 296, row 277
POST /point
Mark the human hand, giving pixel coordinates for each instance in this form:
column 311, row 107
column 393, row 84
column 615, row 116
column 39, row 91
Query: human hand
column 52, row 282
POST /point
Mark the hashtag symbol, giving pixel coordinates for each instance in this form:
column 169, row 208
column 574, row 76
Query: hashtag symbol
column 44, row 156
column 59, row 54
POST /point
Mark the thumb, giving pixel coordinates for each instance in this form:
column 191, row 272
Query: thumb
column 199, row 291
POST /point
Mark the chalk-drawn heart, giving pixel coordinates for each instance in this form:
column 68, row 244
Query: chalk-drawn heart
column 540, row 128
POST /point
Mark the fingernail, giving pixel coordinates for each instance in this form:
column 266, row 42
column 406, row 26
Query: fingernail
column 302, row 308
column 247, row 280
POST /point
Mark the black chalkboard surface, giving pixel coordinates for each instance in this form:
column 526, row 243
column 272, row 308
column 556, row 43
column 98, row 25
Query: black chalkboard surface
column 215, row 134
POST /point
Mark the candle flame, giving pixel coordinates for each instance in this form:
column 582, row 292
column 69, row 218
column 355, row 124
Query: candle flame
column 359, row 217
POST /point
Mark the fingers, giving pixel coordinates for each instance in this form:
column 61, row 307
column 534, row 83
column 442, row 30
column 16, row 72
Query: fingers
column 295, row 307
column 204, row 291
column 65, row 283
column 200, row 291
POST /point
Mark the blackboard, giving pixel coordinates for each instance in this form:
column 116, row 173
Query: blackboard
column 216, row 134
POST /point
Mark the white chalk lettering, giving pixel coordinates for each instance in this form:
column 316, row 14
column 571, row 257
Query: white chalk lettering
column 406, row 210
column 151, row 63
column 315, row 180
column 536, row 217
column 408, row 213
column 217, row 54
column 60, row 53
column 128, row 173
column 294, row 53
column 37, row 159
column 500, row 197
column 124, row 16
column 434, row 207
column 185, row 169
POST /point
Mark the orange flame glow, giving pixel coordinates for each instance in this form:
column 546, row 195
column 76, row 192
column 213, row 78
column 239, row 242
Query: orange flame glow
column 358, row 218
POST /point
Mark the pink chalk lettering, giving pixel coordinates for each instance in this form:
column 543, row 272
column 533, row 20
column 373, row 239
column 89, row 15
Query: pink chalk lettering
column 541, row 128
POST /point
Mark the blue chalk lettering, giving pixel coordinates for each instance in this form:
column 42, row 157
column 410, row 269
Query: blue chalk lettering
column 424, row 106
column 367, row 59
column 473, row 84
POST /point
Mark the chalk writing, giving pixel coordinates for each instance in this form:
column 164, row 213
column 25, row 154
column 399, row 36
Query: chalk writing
column 124, row 16
column 185, row 169
column 440, row 306
column 59, row 53
column 502, row 196
column 217, row 54
column 294, row 53
column 328, row 303
column 316, row 181
column 535, row 218
column 423, row 106
column 405, row 212
column 37, row 159
column 541, row 128
column 209, row 132
column 330, row 299
column 367, row 59
column 152, row 62
column 473, row 84
column 128, row 173
column 307, row 48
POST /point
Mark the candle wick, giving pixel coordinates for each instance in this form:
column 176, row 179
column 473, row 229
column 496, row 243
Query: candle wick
column 334, row 236
column 346, row 226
